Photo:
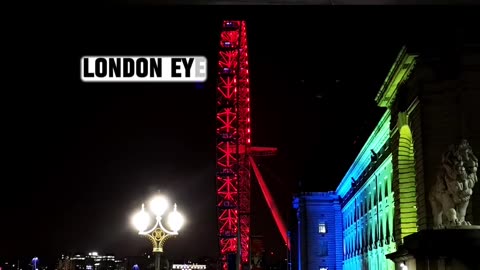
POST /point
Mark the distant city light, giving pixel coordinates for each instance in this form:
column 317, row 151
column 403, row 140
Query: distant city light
column 189, row 266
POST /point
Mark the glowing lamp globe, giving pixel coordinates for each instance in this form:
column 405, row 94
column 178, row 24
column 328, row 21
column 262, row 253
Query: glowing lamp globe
column 158, row 205
column 175, row 220
column 141, row 220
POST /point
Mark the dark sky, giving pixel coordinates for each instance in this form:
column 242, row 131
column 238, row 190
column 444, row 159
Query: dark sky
column 82, row 157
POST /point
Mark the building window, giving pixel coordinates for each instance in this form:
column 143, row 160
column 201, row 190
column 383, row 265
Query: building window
column 322, row 228
column 323, row 248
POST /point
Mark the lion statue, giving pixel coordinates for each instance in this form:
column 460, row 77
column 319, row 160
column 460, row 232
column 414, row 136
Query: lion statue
column 453, row 188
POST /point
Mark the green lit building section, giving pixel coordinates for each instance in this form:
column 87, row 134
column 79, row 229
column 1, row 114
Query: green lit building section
column 399, row 72
column 376, row 142
column 369, row 227
column 369, row 205
column 404, row 183
column 378, row 194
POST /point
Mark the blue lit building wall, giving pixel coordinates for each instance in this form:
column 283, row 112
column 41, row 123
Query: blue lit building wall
column 319, row 231
column 368, row 204
column 358, row 215
column 368, row 221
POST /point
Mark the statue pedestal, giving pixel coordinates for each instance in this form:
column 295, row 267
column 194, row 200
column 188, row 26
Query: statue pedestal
column 443, row 249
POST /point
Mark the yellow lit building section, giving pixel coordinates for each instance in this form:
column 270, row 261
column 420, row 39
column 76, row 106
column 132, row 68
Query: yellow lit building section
column 404, row 178
column 407, row 195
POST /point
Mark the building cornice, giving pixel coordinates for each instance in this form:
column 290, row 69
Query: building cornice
column 375, row 142
column 398, row 73
column 347, row 200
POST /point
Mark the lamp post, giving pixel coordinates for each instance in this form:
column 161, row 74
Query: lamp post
column 158, row 234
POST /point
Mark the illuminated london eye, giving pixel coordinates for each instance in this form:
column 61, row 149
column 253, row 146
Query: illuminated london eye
column 234, row 151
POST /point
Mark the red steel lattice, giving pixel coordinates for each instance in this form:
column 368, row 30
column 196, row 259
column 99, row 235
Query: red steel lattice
column 234, row 150
column 233, row 143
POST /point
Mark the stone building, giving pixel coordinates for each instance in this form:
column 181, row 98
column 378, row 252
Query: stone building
column 431, row 100
column 319, row 239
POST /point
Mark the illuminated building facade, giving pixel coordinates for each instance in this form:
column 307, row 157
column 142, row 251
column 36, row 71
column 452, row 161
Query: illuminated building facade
column 431, row 100
column 91, row 261
column 189, row 266
column 319, row 237
column 351, row 228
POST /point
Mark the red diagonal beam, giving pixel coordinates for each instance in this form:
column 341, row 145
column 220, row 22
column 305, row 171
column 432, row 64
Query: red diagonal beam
column 270, row 202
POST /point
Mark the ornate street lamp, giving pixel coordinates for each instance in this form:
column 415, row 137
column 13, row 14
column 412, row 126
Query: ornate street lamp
column 158, row 234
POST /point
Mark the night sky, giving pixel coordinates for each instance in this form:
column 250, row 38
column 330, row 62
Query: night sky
column 81, row 157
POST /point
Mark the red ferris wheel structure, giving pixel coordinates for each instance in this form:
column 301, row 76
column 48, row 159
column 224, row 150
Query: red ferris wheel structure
column 234, row 149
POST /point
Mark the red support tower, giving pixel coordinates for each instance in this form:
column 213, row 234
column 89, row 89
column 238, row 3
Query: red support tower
column 234, row 150
column 233, row 143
